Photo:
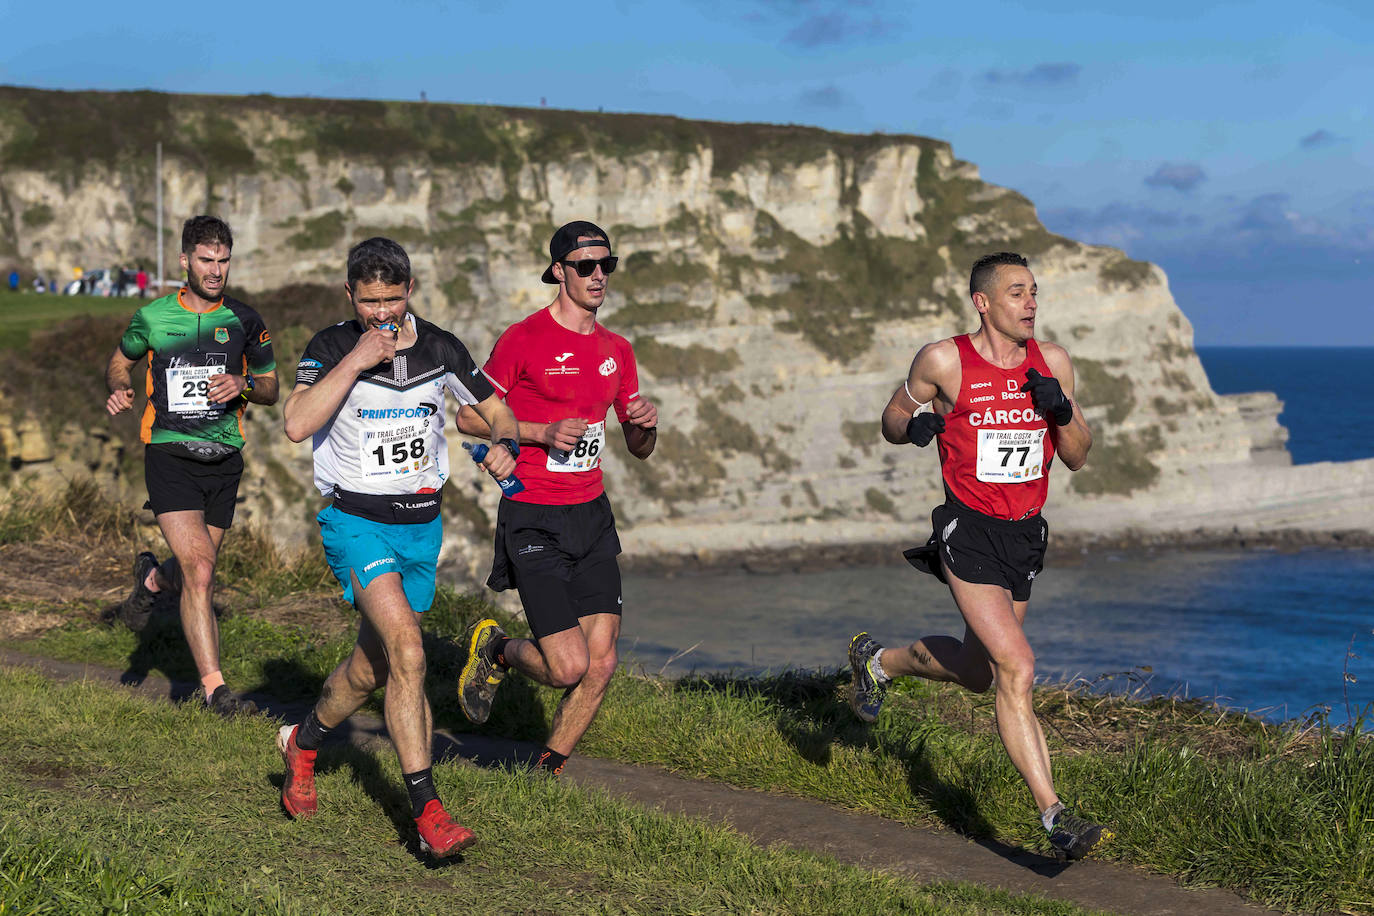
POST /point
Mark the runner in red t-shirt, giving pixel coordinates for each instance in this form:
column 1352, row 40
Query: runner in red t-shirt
column 560, row 372
column 1002, row 409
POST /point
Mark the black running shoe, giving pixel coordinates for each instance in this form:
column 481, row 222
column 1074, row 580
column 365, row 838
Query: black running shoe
column 138, row 607
column 224, row 703
column 1073, row 837
column 866, row 692
column 481, row 673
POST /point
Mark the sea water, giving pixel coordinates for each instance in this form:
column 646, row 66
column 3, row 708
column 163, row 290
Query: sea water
column 1279, row 634
column 1327, row 407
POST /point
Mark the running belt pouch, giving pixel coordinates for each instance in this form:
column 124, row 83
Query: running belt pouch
column 197, row 450
column 393, row 509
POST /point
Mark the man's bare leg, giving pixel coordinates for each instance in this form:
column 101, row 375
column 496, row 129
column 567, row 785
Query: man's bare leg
column 583, row 660
column 196, row 547
column 995, row 626
column 391, row 630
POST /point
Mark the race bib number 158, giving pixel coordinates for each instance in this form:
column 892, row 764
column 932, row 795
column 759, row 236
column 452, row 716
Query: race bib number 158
column 394, row 451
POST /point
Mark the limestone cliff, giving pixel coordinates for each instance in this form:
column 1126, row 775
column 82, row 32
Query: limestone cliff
column 775, row 281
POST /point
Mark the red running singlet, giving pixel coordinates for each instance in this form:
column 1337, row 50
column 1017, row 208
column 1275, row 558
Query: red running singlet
column 996, row 450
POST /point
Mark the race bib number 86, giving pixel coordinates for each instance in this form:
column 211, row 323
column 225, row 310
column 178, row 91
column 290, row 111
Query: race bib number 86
column 1010, row 455
column 584, row 456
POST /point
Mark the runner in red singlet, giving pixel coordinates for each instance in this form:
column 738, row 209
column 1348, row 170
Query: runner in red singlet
column 560, row 372
column 1001, row 405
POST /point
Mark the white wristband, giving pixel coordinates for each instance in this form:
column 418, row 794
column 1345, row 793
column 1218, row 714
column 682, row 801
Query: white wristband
column 919, row 406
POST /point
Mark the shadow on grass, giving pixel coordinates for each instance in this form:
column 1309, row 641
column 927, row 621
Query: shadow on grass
column 161, row 647
column 813, row 716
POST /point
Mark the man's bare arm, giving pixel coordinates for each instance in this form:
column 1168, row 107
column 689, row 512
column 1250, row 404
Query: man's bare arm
column 266, row 389
column 1074, row 439
column 927, row 379
column 309, row 407
column 562, row 434
column 119, row 382
column 640, row 427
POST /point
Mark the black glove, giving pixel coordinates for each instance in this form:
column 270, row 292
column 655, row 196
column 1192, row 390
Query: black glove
column 921, row 428
column 1048, row 397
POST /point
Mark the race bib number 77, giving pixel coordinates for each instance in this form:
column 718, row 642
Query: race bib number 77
column 1010, row 455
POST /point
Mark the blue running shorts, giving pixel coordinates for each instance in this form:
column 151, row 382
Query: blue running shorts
column 367, row 549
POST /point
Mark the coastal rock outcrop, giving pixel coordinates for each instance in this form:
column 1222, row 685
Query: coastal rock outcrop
column 775, row 282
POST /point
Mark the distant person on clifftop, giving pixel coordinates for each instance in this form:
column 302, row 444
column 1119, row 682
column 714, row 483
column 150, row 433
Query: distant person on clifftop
column 208, row 356
column 561, row 371
column 1001, row 406
column 370, row 395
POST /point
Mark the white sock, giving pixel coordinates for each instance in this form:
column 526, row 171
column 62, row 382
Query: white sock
column 1050, row 814
column 878, row 671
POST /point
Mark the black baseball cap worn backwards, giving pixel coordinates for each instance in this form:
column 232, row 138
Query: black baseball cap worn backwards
column 564, row 242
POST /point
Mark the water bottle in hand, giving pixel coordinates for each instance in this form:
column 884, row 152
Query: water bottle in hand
column 511, row 485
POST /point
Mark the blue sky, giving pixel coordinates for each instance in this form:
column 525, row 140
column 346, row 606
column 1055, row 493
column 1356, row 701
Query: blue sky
column 1231, row 143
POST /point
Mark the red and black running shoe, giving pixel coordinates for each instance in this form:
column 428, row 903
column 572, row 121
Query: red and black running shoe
column 441, row 835
column 298, row 786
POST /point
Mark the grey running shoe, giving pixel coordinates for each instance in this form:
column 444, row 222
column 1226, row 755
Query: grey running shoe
column 138, row 607
column 866, row 693
column 224, row 703
column 481, row 673
column 1073, row 837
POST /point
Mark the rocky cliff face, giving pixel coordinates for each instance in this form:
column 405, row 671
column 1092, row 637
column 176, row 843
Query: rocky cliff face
column 775, row 281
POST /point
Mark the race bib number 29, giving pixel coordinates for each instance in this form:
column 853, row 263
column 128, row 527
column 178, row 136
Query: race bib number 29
column 584, row 456
column 1010, row 455
column 188, row 388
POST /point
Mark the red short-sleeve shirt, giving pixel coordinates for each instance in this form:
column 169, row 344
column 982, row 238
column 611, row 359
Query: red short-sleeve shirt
column 546, row 373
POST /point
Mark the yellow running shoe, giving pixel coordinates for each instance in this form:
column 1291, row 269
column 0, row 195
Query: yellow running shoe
column 482, row 673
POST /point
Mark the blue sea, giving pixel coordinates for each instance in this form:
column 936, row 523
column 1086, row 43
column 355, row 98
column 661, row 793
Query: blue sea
column 1327, row 407
column 1279, row 634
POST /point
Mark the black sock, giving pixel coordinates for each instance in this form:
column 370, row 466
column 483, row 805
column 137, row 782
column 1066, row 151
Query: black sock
column 420, row 785
column 498, row 650
column 551, row 760
column 311, row 733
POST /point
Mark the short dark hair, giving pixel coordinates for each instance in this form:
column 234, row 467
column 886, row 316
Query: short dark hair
column 205, row 230
column 378, row 258
column 985, row 268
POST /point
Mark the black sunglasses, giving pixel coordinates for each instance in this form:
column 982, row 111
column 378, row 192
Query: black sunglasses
column 585, row 267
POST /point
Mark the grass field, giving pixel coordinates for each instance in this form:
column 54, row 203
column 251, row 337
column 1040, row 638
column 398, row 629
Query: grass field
column 113, row 803
column 23, row 313
column 1282, row 813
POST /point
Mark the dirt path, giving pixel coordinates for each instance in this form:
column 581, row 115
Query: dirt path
column 864, row 840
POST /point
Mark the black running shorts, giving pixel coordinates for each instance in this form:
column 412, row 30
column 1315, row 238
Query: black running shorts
column 562, row 560
column 984, row 550
column 176, row 484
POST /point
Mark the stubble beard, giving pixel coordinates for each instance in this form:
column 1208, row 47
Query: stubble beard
column 193, row 283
